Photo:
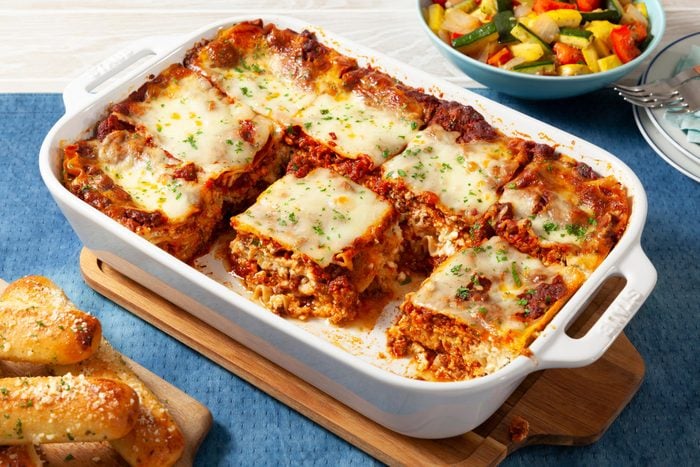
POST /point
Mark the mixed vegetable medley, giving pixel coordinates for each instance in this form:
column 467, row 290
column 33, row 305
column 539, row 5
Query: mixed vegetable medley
column 547, row 37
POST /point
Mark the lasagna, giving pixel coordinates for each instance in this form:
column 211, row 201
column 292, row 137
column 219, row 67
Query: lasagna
column 316, row 245
column 170, row 159
column 445, row 187
column 334, row 182
column 479, row 309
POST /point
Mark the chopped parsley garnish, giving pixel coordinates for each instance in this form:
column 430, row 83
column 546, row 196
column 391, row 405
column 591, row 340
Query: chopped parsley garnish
column 401, row 172
column 246, row 92
column 522, row 302
column 191, row 140
column 69, row 457
column 501, row 256
column 325, row 111
column 307, row 125
column 578, row 231
column 406, row 280
column 4, row 391
column 592, row 221
column 456, row 269
column 514, row 273
column 444, row 167
column 462, row 293
column 550, row 227
column 229, row 142
column 318, row 229
column 293, row 218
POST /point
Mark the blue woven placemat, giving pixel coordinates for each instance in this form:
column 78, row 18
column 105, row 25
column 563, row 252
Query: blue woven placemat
column 659, row 427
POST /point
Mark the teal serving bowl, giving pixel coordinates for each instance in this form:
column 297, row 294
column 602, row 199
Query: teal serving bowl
column 544, row 87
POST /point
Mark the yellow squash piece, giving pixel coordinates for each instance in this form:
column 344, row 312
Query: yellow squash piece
column 565, row 18
column 574, row 69
column 642, row 7
column 436, row 15
column 529, row 51
column 601, row 47
column 609, row 62
column 601, row 29
column 591, row 57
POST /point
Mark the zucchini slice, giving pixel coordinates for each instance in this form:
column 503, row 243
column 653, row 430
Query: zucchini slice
column 523, row 34
column 606, row 15
column 541, row 67
column 575, row 37
column 505, row 21
column 476, row 35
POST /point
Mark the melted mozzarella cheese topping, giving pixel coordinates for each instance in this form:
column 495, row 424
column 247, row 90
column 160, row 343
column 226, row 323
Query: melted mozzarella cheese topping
column 561, row 220
column 318, row 215
column 264, row 85
column 192, row 121
column 450, row 288
column 146, row 173
column 351, row 128
column 465, row 177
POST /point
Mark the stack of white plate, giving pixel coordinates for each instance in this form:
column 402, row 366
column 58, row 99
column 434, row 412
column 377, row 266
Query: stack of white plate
column 667, row 139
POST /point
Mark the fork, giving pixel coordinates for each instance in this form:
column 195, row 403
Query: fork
column 685, row 98
column 662, row 87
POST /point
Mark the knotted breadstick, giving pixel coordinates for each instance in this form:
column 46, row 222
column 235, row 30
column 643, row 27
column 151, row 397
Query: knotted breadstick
column 59, row 409
column 156, row 440
column 38, row 324
column 19, row 456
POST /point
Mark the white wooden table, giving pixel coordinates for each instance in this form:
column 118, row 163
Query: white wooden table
column 46, row 43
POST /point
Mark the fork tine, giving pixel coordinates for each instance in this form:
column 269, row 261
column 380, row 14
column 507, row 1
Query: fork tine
column 657, row 104
column 650, row 95
column 620, row 88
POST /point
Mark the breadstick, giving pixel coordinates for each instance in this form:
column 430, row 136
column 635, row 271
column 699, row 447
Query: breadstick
column 19, row 456
column 156, row 440
column 38, row 324
column 59, row 409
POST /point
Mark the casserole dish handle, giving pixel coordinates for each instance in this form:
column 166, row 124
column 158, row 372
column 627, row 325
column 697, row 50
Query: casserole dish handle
column 564, row 351
column 84, row 89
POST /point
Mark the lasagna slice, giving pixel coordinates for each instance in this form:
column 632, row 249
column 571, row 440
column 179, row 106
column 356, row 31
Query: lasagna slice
column 360, row 127
column 216, row 138
column 277, row 72
column 316, row 246
column 561, row 211
column 479, row 310
column 444, row 187
column 144, row 188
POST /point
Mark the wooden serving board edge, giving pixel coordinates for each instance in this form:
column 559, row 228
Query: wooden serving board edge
column 555, row 413
column 193, row 418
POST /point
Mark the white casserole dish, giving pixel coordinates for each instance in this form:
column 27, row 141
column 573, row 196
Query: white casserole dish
column 412, row 407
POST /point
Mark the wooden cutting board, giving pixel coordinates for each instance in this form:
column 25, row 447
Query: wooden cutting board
column 563, row 406
column 193, row 418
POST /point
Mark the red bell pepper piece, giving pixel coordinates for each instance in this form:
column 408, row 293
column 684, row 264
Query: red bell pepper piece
column 440, row 2
column 588, row 5
column 623, row 44
column 567, row 55
column 500, row 58
column 639, row 31
column 540, row 6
